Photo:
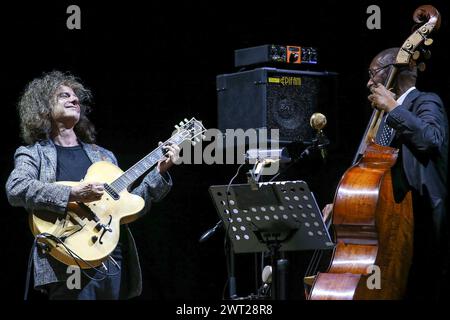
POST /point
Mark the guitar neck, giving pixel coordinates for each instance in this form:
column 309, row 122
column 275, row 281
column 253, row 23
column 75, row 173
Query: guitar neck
column 137, row 170
column 186, row 131
column 142, row 166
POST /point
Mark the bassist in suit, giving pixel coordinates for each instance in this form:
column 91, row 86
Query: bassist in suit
column 416, row 123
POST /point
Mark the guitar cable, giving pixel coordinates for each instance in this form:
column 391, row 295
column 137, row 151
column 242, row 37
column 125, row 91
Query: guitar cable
column 74, row 255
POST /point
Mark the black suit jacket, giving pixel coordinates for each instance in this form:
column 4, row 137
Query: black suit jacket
column 421, row 127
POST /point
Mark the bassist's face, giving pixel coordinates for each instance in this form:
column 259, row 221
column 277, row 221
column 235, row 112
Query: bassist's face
column 377, row 73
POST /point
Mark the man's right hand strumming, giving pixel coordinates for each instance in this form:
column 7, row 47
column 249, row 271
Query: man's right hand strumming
column 86, row 192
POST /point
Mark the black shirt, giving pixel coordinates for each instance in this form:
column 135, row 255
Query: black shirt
column 72, row 163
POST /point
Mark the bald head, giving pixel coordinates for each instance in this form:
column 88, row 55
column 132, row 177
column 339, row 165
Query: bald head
column 381, row 64
column 386, row 57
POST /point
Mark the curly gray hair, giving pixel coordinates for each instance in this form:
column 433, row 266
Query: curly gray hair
column 36, row 102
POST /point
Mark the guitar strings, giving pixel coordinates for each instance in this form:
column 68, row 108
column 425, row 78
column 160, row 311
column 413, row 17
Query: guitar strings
column 171, row 140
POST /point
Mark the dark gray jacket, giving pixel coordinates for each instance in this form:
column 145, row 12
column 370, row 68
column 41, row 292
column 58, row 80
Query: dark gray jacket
column 421, row 127
column 30, row 185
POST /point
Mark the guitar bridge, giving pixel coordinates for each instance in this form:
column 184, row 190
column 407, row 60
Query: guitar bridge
column 111, row 191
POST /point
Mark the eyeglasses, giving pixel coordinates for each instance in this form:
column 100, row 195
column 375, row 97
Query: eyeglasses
column 374, row 72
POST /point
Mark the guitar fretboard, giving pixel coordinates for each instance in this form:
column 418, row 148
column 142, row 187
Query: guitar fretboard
column 190, row 130
column 133, row 173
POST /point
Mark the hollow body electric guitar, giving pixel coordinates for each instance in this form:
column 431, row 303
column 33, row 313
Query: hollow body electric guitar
column 89, row 232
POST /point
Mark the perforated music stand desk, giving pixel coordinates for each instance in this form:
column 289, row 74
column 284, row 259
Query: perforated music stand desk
column 277, row 216
column 285, row 212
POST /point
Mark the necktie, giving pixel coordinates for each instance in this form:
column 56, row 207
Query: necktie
column 385, row 137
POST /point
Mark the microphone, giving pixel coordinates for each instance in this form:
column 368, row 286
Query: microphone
column 210, row 232
column 318, row 121
column 266, row 277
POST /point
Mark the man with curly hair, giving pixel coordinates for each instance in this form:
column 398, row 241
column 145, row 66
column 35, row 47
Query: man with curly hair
column 60, row 147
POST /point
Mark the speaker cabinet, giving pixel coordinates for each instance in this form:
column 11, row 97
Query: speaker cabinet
column 275, row 99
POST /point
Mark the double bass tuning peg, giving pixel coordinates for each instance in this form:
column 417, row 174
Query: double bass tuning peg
column 428, row 42
column 426, row 54
column 421, row 67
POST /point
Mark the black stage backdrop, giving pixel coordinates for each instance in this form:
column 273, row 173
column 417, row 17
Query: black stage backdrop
column 150, row 66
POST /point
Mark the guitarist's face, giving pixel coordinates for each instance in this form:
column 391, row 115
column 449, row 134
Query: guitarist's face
column 66, row 107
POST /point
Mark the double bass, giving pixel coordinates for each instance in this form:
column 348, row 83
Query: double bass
column 373, row 231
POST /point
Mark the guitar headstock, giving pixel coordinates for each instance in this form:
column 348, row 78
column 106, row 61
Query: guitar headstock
column 428, row 19
column 188, row 130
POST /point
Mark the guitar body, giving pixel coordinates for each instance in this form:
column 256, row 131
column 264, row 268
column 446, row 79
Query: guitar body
column 79, row 228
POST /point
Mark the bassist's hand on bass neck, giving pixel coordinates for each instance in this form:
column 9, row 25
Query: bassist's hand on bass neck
column 381, row 98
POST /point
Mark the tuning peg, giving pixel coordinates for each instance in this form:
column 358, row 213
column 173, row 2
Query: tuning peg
column 416, row 55
column 177, row 127
column 197, row 139
column 428, row 42
column 193, row 143
column 203, row 137
column 186, row 120
column 426, row 54
column 421, row 66
column 181, row 123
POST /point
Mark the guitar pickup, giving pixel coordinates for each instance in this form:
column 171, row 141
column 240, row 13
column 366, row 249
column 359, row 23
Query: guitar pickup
column 111, row 191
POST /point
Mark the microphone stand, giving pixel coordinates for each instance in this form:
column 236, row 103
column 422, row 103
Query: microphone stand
column 205, row 236
column 231, row 274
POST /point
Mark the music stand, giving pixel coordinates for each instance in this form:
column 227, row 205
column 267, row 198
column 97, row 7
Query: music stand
column 278, row 216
